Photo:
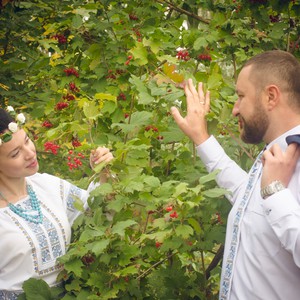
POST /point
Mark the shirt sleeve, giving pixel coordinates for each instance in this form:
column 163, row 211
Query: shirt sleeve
column 230, row 176
column 75, row 198
column 282, row 211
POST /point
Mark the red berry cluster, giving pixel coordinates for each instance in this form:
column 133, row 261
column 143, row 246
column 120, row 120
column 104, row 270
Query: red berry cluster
column 154, row 129
column 73, row 87
column 126, row 115
column 294, row 45
column 151, row 127
column 88, row 259
column 274, row 19
column 169, row 208
column 183, row 55
column 69, row 97
column 217, row 219
column 71, row 71
column 174, row 214
column 204, row 57
column 133, row 17
column 76, row 143
column 47, row 124
column 74, row 160
column 50, row 146
column 158, row 244
column 60, row 38
column 113, row 75
column 129, row 58
column 61, row 105
column 138, row 34
column 121, row 96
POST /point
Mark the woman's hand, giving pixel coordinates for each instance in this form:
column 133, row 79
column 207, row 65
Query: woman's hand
column 101, row 154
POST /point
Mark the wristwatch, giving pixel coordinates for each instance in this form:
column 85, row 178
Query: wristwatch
column 272, row 188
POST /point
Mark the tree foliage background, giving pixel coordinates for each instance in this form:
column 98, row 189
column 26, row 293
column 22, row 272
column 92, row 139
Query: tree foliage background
column 90, row 73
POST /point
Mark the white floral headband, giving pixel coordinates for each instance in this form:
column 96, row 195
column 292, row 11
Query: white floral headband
column 12, row 126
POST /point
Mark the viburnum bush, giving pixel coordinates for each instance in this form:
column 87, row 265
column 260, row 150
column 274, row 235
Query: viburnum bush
column 91, row 73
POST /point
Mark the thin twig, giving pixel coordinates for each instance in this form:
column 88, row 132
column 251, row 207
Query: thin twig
column 183, row 11
column 155, row 265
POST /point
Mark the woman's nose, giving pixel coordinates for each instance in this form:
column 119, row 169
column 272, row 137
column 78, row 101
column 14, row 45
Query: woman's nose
column 29, row 152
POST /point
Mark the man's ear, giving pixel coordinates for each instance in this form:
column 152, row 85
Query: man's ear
column 272, row 94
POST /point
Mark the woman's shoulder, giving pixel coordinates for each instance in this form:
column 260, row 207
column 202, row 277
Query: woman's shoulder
column 44, row 178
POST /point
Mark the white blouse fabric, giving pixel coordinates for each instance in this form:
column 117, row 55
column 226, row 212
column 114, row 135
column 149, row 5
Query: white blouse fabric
column 31, row 250
column 268, row 258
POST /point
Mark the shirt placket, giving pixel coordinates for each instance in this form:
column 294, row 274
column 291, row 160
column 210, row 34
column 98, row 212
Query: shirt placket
column 226, row 281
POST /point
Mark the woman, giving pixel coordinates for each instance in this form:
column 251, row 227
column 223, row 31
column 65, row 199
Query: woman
column 36, row 210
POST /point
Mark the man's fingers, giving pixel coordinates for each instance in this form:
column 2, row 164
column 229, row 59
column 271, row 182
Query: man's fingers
column 292, row 149
column 176, row 115
column 201, row 93
column 292, row 152
column 276, row 150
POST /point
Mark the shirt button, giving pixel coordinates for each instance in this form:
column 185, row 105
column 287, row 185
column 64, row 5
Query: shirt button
column 268, row 211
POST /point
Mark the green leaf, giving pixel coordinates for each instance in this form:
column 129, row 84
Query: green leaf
column 145, row 98
column 215, row 192
column 109, row 107
column 209, row 177
column 99, row 167
column 152, row 181
column 277, row 30
column 140, row 118
column 132, row 185
column 104, row 189
column 181, row 188
column 78, row 204
column 98, row 247
column 127, row 271
column 91, row 110
column 200, row 43
column 74, row 266
column 214, row 81
column 36, row 289
column 91, row 233
column 119, row 227
column 195, row 224
column 159, row 236
column 103, row 96
column 117, row 204
column 144, row 95
column 184, row 231
column 140, row 54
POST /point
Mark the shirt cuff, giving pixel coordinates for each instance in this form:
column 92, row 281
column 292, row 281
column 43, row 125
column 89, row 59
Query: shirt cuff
column 279, row 205
column 209, row 150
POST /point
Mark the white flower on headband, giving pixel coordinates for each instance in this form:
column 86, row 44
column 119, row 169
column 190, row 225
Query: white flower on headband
column 10, row 108
column 13, row 127
column 20, row 118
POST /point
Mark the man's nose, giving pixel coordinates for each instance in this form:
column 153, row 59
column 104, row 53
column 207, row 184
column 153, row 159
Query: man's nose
column 235, row 109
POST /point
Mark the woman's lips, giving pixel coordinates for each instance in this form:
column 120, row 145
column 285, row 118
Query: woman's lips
column 33, row 164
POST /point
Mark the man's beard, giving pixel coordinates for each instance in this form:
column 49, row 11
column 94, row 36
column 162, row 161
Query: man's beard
column 254, row 130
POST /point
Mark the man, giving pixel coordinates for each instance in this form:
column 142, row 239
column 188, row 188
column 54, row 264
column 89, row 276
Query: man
column 262, row 248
